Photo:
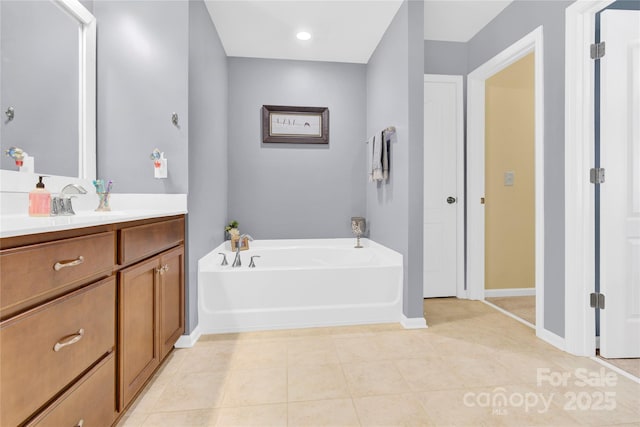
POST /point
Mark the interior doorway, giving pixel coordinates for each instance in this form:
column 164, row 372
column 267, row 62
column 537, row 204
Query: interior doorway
column 589, row 116
column 444, row 187
column 476, row 185
column 510, row 189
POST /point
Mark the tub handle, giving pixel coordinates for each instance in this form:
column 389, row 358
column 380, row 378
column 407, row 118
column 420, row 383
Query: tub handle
column 253, row 264
column 224, row 258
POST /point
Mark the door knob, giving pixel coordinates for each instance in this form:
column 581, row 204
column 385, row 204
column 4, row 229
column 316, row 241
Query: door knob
column 451, row 200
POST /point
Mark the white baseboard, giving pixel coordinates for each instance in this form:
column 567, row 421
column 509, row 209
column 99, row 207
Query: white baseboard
column 513, row 316
column 553, row 339
column 413, row 322
column 188, row 341
column 616, row 369
column 512, row 292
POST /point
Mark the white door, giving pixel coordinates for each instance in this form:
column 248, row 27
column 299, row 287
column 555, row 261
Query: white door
column 620, row 193
column 442, row 199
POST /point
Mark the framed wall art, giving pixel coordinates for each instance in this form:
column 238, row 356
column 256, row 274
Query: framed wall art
column 299, row 125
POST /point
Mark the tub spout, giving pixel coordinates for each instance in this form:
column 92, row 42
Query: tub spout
column 237, row 262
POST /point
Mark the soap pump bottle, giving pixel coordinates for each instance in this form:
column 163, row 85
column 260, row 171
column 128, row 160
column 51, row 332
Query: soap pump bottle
column 39, row 200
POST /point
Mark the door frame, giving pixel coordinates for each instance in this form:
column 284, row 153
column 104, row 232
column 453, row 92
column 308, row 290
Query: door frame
column 457, row 80
column 532, row 42
column 579, row 223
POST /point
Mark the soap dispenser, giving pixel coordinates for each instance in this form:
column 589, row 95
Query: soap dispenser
column 39, row 200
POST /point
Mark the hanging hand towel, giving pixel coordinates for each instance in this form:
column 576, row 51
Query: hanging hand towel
column 386, row 147
column 375, row 173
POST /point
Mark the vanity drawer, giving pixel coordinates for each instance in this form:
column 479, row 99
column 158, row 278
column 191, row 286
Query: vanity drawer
column 45, row 349
column 90, row 402
column 137, row 243
column 32, row 274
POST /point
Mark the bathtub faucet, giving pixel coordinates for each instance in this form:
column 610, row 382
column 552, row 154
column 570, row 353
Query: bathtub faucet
column 237, row 262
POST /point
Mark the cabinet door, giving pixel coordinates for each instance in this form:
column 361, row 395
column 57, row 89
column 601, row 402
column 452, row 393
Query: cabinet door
column 139, row 350
column 171, row 299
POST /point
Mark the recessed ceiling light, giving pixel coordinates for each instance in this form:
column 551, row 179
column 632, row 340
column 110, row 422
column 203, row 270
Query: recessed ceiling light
column 303, row 35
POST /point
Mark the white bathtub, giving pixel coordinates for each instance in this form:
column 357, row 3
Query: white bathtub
column 299, row 284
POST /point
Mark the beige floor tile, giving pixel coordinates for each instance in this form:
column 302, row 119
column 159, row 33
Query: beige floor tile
column 301, row 377
column 483, row 372
column 493, row 406
column 146, row 400
column 448, row 408
column 524, row 306
column 316, row 382
column 132, row 419
column 338, row 412
column 391, row 410
column 198, row 418
column 429, row 374
column 312, row 351
column 192, row 391
column 256, row 387
column 262, row 415
column 374, row 378
column 206, row 359
column 263, row 354
column 358, row 349
column 403, row 344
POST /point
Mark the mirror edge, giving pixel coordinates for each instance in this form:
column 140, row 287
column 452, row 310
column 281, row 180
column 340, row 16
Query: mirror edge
column 87, row 87
column 20, row 182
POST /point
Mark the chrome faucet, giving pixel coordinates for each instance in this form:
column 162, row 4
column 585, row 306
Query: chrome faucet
column 61, row 205
column 237, row 262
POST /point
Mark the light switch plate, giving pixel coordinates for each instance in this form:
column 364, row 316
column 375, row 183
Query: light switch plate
column 509, row 177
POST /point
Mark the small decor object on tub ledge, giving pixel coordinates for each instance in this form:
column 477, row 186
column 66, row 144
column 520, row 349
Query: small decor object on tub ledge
column 358, row 226
column 233, row 234
column 103, row 193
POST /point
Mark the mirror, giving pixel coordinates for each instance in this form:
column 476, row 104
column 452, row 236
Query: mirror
column 47, row 86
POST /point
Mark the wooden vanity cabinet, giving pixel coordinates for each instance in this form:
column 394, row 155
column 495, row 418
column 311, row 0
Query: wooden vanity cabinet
column 78, row 342
column 151, row 316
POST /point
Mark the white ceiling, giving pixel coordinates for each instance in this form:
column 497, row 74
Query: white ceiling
column 459, row 20
column 342, row 30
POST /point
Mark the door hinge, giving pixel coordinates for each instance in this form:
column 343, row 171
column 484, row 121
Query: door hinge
column 597, row 50
column 596, row 175
column 597, row 300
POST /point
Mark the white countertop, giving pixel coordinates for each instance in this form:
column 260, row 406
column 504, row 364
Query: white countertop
column 125, row 207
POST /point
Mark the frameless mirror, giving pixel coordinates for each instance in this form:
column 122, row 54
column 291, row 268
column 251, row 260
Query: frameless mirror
column 47, row 86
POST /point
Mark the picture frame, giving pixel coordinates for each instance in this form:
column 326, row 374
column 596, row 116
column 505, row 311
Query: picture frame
column 297, row 125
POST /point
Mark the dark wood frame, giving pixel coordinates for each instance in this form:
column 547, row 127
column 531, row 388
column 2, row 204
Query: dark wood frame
column 267, row 137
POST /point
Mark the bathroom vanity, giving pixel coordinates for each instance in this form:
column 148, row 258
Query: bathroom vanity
column 87, row 314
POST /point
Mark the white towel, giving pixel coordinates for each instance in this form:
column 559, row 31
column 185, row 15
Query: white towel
column 376, row 158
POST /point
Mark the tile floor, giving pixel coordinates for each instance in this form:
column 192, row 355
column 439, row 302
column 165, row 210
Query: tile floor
column 523, row 307
column 473, row 366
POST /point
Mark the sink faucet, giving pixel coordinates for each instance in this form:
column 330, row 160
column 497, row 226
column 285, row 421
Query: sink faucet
column 61, row 205
column 237, row 262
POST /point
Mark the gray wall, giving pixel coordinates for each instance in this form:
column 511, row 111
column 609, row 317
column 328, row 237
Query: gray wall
column 208, row 97
column 442, row 57
column 281, row 191
column 142, row 79
column 39, row 45
column 395, row 98
column 517, row 20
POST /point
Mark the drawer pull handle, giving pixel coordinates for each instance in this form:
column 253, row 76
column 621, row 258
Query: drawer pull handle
column 60, row 265
column 71, row 339
column 79, row 423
